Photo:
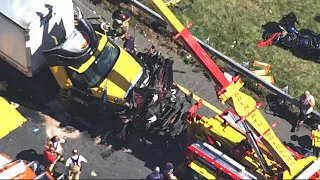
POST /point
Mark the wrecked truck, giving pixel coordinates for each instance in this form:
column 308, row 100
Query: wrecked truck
column 89, row 68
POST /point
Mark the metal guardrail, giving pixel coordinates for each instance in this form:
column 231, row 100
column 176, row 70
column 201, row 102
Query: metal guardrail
column 225, row 58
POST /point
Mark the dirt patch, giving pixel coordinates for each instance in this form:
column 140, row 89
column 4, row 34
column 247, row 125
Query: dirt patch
column 53, row 129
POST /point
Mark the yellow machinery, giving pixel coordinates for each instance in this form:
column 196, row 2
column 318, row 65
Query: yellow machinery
column 10, row 118
column 101, row 66
column 238, row 143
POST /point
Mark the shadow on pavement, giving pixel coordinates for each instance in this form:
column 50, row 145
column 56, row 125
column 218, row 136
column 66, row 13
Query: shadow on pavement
column 277, row 107
column 303, row 141
column 156, row 151
column 298, row 149
column 31, row 155
column 33, row 92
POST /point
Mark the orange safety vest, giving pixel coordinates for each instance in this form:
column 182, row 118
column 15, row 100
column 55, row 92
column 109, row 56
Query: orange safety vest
column 315, row 136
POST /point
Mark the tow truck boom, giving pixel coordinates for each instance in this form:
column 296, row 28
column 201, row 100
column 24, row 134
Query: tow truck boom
column 245, row 106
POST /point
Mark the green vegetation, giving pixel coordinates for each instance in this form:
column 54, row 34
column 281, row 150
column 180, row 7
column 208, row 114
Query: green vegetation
column 234, row 28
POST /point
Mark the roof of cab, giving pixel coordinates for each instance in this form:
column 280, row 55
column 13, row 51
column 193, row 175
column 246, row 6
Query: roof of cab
column 24, row 12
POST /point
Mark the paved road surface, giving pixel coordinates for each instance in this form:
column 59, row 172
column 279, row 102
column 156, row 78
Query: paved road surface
column 26, row 144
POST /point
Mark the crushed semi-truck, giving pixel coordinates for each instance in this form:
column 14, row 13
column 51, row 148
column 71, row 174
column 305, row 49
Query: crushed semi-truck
column 89, row 67
column 27, row 44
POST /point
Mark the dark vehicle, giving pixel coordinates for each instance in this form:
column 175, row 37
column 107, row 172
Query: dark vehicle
column 287, row 36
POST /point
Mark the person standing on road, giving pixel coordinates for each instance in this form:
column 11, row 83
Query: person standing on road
column 155, row 174
column 307, row 102
column 74, row 165
column 315, row 137
column 128, row 44
column 169, row 171
column 49, row 159
column 57, row 144
column 120, row 25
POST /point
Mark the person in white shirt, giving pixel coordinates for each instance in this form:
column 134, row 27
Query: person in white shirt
column 307, row 102
column 57, row 144
column 74, row 165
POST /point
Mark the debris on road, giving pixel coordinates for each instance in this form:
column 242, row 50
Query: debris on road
column 93, row 173
column 53, row 128
column 127, row 150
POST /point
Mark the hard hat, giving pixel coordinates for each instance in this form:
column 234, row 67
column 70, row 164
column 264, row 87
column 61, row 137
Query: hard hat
column 74, row 151
column 157, row 169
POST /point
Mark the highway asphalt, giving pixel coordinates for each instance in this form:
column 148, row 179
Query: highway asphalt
column 27, row 142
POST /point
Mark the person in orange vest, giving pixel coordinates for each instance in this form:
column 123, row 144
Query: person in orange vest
column 315, row 137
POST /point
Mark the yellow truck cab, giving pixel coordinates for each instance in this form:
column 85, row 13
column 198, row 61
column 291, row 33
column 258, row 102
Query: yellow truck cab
column 98, row 65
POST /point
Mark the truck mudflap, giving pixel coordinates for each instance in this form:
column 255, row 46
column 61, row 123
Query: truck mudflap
column 10, row 118
column 77, row 49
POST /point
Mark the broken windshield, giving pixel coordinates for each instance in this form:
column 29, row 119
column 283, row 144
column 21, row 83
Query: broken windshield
column 103, row 64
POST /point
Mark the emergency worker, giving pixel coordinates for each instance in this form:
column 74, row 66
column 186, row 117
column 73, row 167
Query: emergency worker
column 169, row 172
column 315, row 137
column 120, row 25
column 50, row 159
column 74, row 165
column 128, row 44
column 155, row 174
column 48, row 145
column 57, row 144
column 307, row 102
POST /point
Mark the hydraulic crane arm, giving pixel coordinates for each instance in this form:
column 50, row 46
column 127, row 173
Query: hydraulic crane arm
column 244, row 105
column 193, row 46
